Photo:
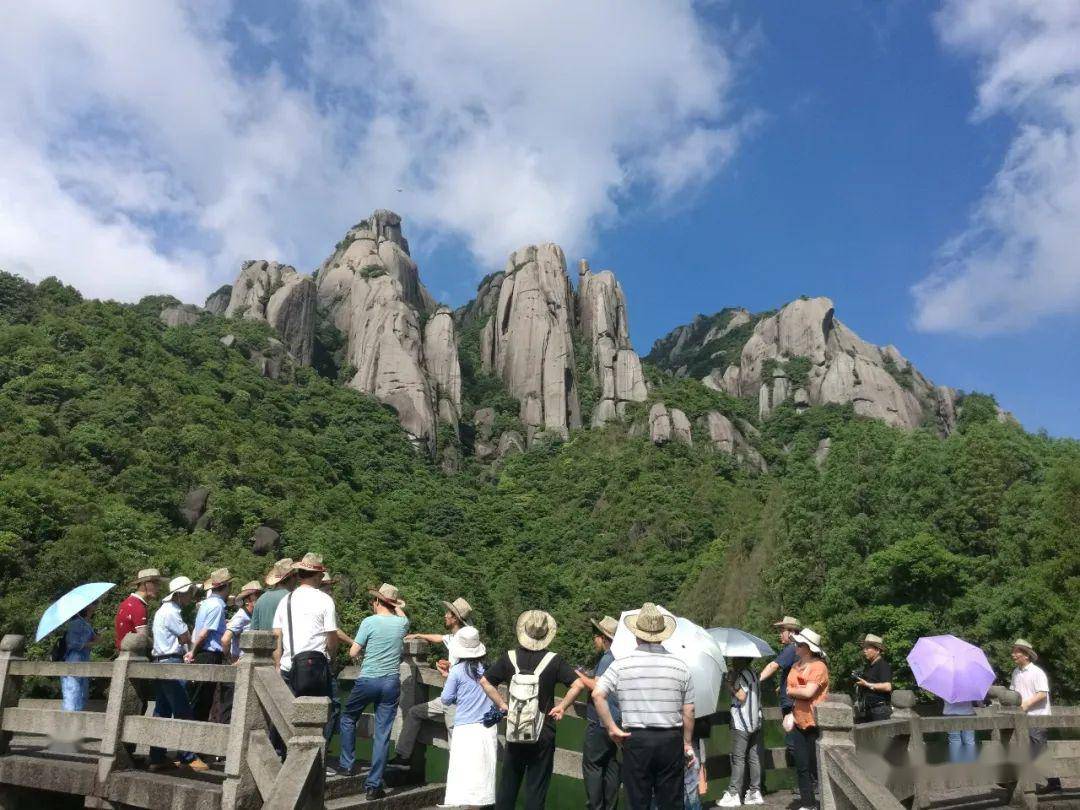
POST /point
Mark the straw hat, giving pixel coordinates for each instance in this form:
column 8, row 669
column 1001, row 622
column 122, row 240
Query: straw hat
column 606, row 626
column 310, row 562
column 178, row 585
column 1021, row 644
column 649, row 624
column 460, row 608
column 147, row 575
column 389, row 594
column 535, row 629
column 465, row 644
column 788, row 623
column 873, row 641
column 282, row 568
column 810, row 639
column 250, row 588
column 217, row 579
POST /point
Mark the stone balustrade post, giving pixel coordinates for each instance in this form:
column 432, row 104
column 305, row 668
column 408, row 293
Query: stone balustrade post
column 413, row 693
column 308, row 717
column 123, row 702
column 11, row 649
column 835, row 720
column 1016, row 745
column 239, row 791
column 903, row 703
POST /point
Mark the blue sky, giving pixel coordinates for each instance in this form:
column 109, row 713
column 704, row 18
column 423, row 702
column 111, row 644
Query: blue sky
column 918, row 163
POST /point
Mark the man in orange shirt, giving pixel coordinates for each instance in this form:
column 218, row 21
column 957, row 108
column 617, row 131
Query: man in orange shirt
column 807, row 686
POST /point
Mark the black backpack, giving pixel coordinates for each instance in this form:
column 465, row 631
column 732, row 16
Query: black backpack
column 59, row 650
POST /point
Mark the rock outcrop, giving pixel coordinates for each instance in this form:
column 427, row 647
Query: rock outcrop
column 403, row 347
column 277, row 294
column 183, row 315
column 218, row 301
column 725, row 437
column 386, row 347
column 616, row 367
column 373, row 247
column 804, row 354
column 680, row 428
column 443, row 366
column 659, row 424
column 528, row 341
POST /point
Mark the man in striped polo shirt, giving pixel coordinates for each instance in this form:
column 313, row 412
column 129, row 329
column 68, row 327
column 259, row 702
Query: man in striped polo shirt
column 656, row 697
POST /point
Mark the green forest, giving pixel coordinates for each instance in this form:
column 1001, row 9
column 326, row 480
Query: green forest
column 108, row 418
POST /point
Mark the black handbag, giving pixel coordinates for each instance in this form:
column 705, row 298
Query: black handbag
column 310, row 673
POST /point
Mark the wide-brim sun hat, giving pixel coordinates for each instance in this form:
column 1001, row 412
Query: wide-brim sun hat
column 466, row 644
column 312, row 563
column 388, row 594
column 810, row 639
column 460, row 608
column 281, row 570
column 249, row 589
column 607, row 626
column 649, row 624
column 217, row 579
column 788, row 623
column 873, row 641
column 178, row 585
column 1023, row 644
column 148, row 575
column 536, row 629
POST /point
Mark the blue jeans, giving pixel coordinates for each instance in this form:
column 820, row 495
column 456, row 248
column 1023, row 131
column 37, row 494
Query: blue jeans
column 962, row 746
column 171, row 700
column 382, row 692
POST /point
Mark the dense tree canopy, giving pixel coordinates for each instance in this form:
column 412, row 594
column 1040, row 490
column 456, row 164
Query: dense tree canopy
column 107, row 419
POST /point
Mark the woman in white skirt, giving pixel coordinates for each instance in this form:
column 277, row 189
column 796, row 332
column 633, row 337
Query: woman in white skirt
column 470, row 778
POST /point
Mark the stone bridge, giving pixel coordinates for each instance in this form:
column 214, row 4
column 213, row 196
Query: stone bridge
column 875, row 766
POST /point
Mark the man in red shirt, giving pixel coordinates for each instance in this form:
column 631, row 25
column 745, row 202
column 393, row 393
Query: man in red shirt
column 133, row 611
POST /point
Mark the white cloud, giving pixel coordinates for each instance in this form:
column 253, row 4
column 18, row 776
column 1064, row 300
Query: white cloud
column 138, row 157
column 1017, row 261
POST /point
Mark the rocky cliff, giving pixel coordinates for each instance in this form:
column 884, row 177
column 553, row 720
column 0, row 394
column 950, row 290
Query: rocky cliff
column 805, row 355
column 528, row 340
column 604, row 324
column 277, row 294
column 552, row 347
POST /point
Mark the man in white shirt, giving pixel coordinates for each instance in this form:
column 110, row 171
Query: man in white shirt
column 305, row 626
column 1030, row 681
column 458, row 615
column 171, row 639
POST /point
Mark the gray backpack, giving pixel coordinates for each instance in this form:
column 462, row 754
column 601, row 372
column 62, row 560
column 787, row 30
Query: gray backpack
column 524, row 720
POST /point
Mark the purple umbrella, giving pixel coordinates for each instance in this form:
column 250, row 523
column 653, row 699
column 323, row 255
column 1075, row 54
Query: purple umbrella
column 951, row 668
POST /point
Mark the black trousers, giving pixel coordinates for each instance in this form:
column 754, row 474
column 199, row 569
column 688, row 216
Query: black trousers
column 202, row 692
column 653, row 767
column 528, row 764
column 873, row 712
column 600, row 769
column 804, row 742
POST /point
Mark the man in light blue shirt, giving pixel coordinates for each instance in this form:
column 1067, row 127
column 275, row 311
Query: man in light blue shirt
column 206, row 639
column 380, row 639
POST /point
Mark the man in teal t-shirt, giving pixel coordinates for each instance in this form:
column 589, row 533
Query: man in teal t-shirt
column 380, row 638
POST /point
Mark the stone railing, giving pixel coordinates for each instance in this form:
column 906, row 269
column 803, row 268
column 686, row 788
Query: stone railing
column 884, row 765
column 253, row 774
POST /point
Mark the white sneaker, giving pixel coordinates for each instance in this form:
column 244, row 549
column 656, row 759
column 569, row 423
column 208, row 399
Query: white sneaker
column 729, row 800
column 753, row 797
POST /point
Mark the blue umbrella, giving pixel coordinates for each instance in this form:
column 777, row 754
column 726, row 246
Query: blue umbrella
column 69, row 604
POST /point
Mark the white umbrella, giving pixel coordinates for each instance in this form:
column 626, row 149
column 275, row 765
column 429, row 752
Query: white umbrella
column 693, row 646
column 737, row 643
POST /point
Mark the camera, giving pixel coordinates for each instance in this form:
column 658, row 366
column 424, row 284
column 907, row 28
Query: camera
column 855, row 675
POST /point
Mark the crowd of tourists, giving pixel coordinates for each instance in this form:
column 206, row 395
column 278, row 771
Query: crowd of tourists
column 641, row 736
